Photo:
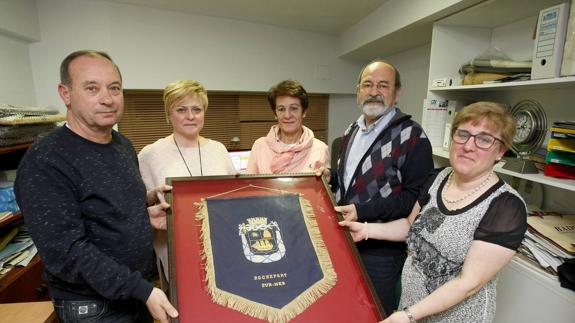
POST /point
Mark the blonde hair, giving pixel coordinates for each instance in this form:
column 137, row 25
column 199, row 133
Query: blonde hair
column 177, row 91
column 495, row 114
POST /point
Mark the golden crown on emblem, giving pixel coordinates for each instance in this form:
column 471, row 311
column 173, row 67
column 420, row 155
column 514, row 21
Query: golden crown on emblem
column 257, row 221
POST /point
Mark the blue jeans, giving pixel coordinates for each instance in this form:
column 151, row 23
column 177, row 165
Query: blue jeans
column 119, row 311
column 385, row 273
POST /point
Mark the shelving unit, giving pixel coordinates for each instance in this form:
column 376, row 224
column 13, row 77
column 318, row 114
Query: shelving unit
column 543, row 84
column 13, row 148
column 565, row 184
column 525, row 293
column 21, row 284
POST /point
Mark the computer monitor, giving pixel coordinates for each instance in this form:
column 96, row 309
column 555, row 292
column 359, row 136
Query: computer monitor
column 240, row 159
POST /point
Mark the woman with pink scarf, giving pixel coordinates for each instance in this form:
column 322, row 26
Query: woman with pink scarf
column 289, row 147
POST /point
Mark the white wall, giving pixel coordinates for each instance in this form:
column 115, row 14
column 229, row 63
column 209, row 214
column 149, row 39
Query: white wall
column 16, row 83
column 413, row 65
column 18, row 26
column 394, row 16
column 153, row 47
column 343, row 111
column 18, row 18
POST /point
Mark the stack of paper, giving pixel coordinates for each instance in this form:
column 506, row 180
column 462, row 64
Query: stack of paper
column 25, row 124
column 550, row 239
column 16, row 249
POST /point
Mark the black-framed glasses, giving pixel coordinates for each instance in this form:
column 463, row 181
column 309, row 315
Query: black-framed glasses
column 482, row 140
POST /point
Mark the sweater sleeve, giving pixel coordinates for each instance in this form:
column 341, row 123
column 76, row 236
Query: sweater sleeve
column 146, row 168
column 47, row 196
column 252, row 167
column 414, row 172
column 226, row 159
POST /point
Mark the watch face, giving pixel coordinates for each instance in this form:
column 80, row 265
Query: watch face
column 524, row 127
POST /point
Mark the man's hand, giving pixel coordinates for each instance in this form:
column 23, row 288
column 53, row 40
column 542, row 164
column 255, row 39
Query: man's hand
column 348, row 212
column 160, row 307
column 157, row 194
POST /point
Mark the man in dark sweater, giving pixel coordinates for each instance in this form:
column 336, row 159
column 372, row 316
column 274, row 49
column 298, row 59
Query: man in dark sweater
column 384, row 159
column 84, row 202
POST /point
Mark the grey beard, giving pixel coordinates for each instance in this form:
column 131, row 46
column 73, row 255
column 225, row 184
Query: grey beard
column 375, row 111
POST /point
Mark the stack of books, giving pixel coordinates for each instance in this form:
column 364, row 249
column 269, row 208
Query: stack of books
column 561, row 150
column 550, row 239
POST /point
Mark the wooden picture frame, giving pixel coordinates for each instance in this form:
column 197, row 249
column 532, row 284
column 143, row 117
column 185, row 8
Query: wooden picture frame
column 351, row 298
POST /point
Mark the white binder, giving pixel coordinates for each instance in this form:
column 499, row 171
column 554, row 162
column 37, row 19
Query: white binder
column 549, row 42
column 452, row 108
column 433, row 119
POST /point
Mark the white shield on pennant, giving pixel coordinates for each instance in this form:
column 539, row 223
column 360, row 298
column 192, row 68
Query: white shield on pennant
column 261, row 241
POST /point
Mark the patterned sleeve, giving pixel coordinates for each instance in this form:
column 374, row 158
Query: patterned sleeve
column 504, row 223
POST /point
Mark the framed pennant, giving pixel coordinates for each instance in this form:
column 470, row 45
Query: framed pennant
column 263, row 248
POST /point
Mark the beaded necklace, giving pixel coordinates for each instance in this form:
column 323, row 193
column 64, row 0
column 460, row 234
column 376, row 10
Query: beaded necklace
column 471, row 193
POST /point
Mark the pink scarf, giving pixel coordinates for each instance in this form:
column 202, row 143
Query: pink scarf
column 289, row 158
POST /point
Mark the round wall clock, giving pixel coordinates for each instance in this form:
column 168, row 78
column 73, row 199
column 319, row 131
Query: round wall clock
column 531, row 127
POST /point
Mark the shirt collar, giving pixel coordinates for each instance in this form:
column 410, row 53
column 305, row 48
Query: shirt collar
column 387, row 117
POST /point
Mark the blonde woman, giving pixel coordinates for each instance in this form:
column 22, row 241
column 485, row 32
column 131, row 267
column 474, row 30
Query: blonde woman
column 183, row 153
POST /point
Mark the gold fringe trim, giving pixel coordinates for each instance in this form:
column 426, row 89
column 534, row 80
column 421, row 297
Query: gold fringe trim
column 262, row 311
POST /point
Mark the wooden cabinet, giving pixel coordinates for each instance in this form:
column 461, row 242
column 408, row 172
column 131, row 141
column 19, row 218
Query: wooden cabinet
column 21, row 284
column 236, row 119
column 524, row 293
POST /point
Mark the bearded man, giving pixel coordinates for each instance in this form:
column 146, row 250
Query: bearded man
column 384, row 159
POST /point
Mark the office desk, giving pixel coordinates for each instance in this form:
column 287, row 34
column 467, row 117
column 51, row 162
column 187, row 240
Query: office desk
column 35, row 312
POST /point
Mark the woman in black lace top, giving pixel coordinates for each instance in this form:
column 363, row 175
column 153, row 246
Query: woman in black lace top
column 464, row 228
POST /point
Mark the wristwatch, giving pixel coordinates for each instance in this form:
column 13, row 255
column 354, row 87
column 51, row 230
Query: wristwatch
column 409, row 315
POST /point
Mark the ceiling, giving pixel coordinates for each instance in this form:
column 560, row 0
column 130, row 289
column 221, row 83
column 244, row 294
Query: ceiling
column 321, row 16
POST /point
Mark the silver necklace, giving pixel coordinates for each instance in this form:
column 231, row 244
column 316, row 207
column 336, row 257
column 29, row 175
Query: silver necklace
column 471, row 193
column 184, row 160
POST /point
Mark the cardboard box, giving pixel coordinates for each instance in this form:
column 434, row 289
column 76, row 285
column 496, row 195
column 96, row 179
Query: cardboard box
column 568, row 64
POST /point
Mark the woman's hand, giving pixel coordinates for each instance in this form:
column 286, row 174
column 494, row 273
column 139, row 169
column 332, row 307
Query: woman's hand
column 321, row 170
column 158, row 216
column 397, row 317
column 358, row 230
column 157, row 211
column 157, row 194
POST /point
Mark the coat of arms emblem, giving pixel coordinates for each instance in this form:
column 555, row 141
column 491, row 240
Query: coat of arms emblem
column 261, row 241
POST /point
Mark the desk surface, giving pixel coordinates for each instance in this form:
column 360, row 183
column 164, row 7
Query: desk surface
column 35, row 312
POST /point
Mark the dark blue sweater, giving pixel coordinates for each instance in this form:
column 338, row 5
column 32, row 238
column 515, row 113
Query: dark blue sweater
column 85, row 206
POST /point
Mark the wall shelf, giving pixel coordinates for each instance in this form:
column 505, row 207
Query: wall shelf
column 565, row 184
column 543, row 84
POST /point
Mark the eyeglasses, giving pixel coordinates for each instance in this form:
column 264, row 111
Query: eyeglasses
column 482, row 140
column 367, row 86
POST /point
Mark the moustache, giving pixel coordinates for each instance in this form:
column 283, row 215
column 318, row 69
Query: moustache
column 374, row 99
